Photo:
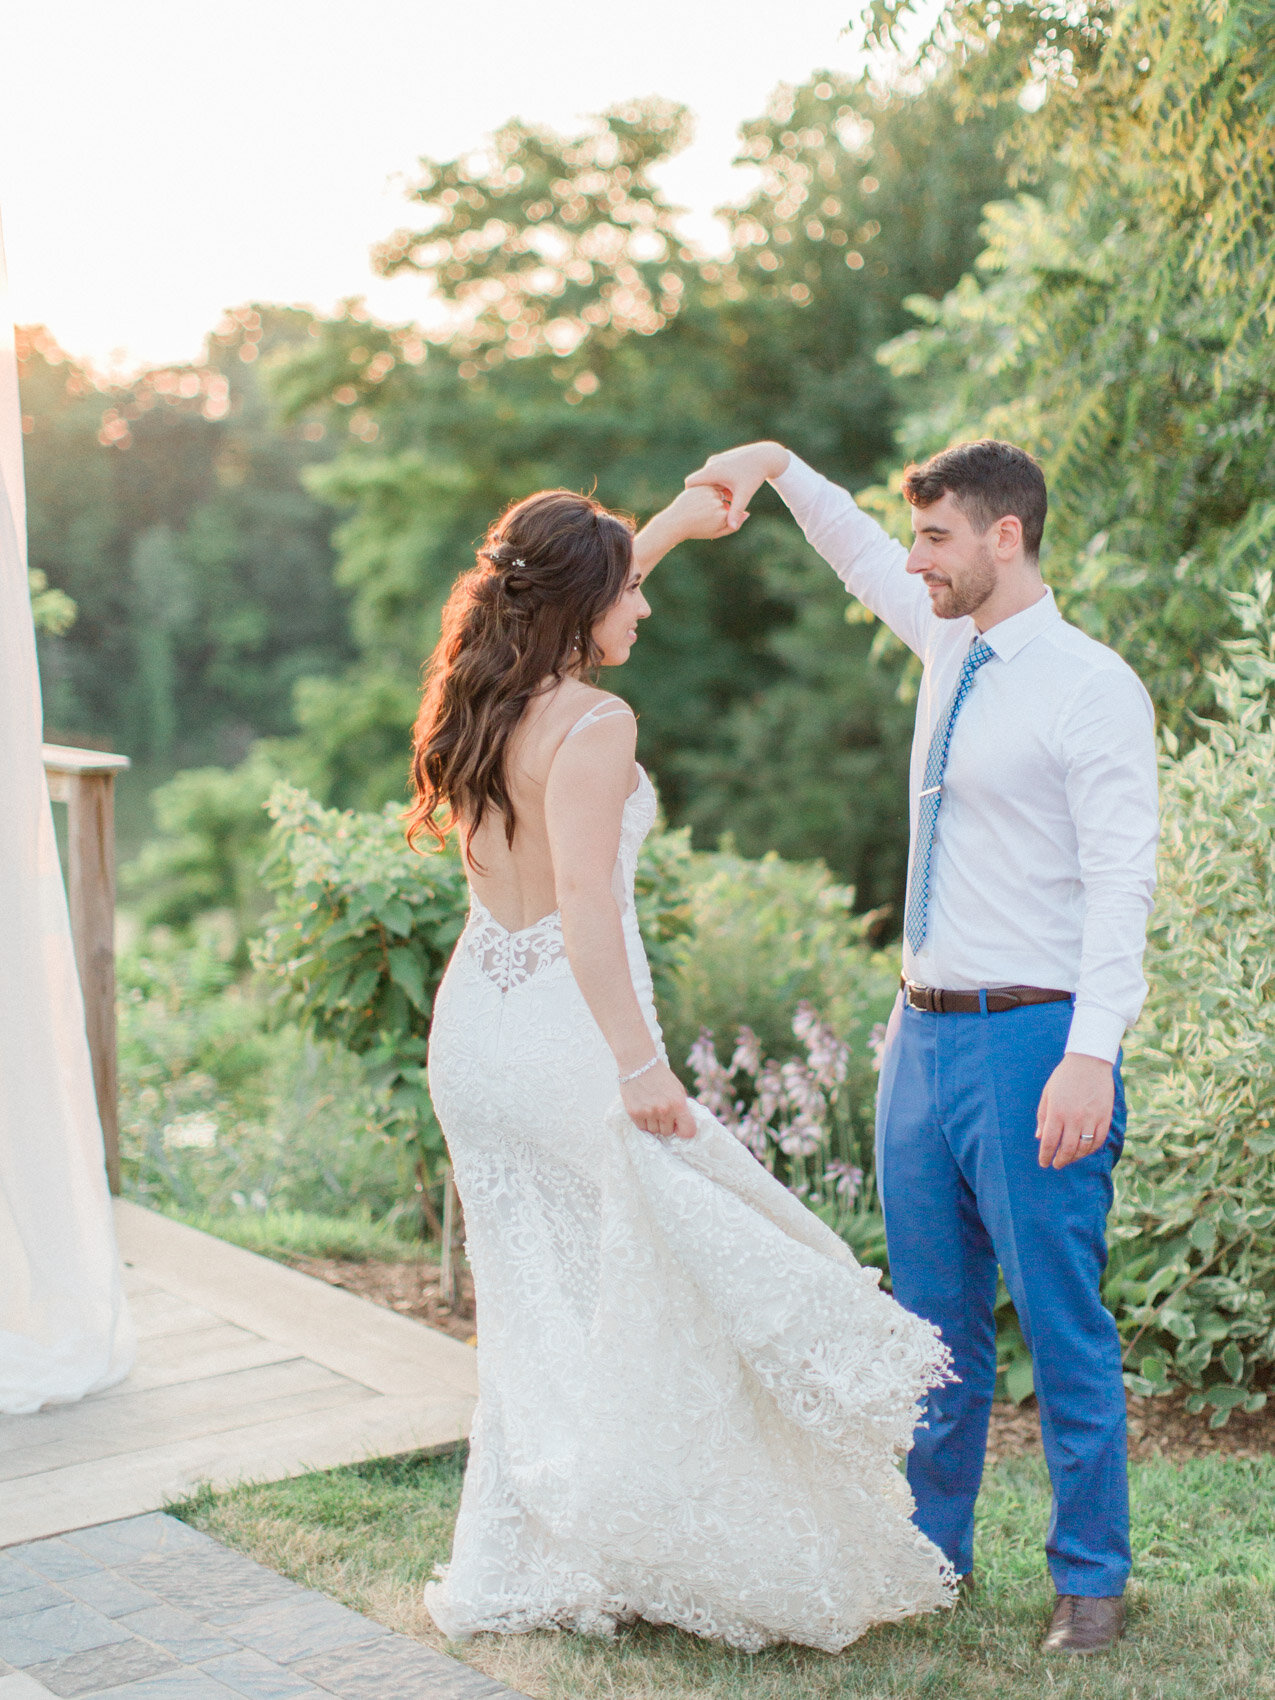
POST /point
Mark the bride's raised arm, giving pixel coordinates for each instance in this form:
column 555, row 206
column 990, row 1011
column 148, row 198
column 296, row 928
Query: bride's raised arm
column 591, row 776
column 691, row 513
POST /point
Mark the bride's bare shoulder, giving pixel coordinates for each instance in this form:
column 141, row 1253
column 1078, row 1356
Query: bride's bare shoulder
column 548, row 724
column 571, row 702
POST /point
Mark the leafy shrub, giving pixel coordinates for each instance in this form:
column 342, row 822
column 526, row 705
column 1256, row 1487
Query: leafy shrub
column 1192, row 1280
column 220, row 1111
column 662, row 898
column 360, row 935
column 52, row 610
column 207, row 852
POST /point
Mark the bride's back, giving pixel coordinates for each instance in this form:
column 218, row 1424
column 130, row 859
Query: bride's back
column 516, row 882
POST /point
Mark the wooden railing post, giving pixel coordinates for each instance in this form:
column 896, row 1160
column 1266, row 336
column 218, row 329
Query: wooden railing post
column 449, row 1263
column 85, row 781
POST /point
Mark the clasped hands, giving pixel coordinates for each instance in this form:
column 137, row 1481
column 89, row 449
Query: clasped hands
column 737, row 475
column 715, row 500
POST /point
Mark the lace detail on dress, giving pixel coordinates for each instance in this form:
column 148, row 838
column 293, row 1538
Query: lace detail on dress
column 512, row 959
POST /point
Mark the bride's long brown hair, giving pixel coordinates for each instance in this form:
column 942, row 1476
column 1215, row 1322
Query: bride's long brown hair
column 517, row 622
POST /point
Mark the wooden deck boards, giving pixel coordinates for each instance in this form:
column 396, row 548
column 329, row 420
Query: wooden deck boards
column 246, row 1371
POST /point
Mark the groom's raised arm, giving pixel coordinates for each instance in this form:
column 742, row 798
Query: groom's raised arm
column 867, row 560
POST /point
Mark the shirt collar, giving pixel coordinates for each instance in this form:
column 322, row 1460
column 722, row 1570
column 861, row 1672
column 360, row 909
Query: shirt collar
column 1007, row 637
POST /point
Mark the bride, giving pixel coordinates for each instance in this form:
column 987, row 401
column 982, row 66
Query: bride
column 693, row 1399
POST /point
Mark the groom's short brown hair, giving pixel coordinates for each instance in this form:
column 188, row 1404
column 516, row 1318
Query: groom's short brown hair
column 987, row 480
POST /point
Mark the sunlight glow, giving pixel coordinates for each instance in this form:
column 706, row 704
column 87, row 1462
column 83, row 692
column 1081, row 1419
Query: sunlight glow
column 161, row 163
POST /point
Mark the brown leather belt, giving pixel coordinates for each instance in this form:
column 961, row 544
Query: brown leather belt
column 999, row 998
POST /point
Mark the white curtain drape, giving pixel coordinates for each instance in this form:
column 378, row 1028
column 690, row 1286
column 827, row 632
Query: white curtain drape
column 64, row 1326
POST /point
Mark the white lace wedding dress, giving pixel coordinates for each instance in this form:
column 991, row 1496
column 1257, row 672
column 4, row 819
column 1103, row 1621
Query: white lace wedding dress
column 693, row 1399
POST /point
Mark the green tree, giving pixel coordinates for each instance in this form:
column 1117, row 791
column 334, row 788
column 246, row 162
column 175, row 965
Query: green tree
column 866, row 197
column 170, row 510
column 162, row 599
column 590, row 344
column 1119, row 321
column 208, row 850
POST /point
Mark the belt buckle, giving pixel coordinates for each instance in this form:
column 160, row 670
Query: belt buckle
column 923, row 997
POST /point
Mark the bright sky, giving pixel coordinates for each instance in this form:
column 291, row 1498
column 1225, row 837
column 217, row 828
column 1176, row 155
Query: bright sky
column 161, row 160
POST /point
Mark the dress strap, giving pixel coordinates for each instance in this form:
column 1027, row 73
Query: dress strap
column 607, row 709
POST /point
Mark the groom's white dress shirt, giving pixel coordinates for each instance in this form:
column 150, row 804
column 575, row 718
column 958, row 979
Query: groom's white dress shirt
column 1044, row 859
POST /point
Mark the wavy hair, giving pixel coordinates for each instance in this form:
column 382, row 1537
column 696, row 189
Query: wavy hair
column 515, row 624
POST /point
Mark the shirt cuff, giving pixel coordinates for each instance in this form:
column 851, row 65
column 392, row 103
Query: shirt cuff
column 798, row 483
column 1096, row 1032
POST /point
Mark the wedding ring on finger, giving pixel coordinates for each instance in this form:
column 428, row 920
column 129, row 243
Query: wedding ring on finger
column 1086, row 1139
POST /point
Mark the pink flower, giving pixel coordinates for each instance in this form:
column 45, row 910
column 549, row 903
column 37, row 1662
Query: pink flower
column 845, row 1180
column 827, row 1056
column 801, row 1138
column 770, row 1092
column 712, row 1083
column 752, row 1133
column 747, row 1057
column 800, row 1090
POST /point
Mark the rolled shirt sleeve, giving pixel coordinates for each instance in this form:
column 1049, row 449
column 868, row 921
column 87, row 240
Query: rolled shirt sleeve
column 1109, row 753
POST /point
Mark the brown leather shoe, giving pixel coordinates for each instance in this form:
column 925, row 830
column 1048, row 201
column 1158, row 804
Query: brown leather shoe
column 1083, row 1625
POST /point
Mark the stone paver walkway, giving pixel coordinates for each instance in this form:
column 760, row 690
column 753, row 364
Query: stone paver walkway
column 150, row 1609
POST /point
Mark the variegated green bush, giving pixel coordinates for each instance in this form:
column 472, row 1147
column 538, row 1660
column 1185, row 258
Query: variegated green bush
column 1192, row 1279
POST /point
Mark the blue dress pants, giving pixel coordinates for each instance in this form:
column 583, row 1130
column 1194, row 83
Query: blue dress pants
column 963, row 1191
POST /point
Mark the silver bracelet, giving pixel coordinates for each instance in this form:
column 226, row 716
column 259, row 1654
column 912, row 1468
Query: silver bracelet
column 645, row 1068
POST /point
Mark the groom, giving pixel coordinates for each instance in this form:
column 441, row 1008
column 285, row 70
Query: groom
column 1001, row 1114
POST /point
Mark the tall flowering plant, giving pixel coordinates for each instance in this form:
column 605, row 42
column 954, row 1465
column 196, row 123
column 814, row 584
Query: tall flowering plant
column 790, row 1114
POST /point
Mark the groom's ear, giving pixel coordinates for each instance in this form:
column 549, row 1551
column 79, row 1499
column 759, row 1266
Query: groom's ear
column 1007, row 536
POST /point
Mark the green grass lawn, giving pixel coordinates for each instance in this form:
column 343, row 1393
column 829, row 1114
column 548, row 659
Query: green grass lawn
column 283, row 1234
column 1202, row 1604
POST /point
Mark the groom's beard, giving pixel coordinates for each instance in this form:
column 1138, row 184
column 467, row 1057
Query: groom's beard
column 953, row 599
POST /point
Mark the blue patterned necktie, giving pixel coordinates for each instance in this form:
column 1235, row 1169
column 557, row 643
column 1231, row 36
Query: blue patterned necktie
column 916, row 914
